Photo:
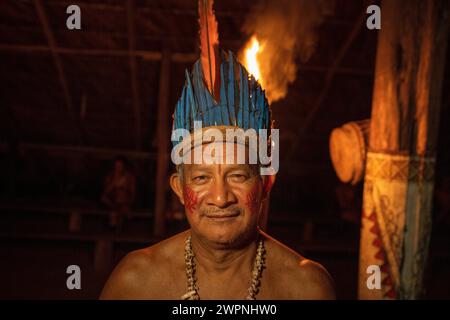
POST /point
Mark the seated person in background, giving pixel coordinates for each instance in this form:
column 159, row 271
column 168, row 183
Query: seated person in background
column 119, row 191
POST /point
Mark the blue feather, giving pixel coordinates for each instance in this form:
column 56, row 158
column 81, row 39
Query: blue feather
column 177, row 116
column 259, row 105
column 181, row 107
column 240, row 116
column 231, row 106
column 244, row 89
column 200, row 93
column 252, row 107
column 223, row 97
column 190, row 109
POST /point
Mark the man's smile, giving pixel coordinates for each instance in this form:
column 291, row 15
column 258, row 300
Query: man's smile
column 222, row 215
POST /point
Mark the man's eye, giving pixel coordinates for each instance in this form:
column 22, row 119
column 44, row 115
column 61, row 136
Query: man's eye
column 200, row 179
column 238, row 177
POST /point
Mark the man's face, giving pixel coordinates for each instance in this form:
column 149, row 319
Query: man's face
column 222, row 201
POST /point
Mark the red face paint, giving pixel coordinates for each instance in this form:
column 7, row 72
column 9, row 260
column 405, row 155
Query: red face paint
column 190, row 199
column 252, row 200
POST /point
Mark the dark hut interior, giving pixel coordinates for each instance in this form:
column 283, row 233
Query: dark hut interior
column 73, row 100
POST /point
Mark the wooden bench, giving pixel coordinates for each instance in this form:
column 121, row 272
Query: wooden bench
column 103, row 244
column 75, row 213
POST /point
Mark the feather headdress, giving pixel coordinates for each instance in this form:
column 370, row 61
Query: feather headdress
column 219, row 91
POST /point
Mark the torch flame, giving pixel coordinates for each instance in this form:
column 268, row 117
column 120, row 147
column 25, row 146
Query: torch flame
column 251, row 52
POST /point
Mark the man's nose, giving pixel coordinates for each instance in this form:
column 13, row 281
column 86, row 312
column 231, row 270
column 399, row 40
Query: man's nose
column 221, row 195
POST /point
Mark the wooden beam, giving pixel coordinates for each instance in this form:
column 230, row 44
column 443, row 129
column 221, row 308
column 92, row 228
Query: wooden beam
column 163, row 135
column 68, row 150
column 241, row 14
column 149, row 24
column 331, row 72
column 175, row 57
column 134, row 72
column 236, row 41
column 60, row 70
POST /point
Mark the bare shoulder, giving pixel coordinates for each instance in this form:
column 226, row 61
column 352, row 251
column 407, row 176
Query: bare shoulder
column 145, row 273
column 304, row 279
column 318, row 283
column 126, row 279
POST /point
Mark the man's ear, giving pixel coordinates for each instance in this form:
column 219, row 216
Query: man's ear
column 177, row 186
column 268, row 182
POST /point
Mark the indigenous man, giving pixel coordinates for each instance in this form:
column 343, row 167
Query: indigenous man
column 224, row 255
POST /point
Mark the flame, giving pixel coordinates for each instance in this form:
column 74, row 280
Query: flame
column 251, row 52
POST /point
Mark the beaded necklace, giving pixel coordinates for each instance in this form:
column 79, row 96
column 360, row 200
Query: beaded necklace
column 189, row 256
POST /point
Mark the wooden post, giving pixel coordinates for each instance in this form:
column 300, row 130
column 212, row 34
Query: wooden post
column 103, row 255
column 75, row 219
column 134, row 70
column 163, row 135
column 399, row 177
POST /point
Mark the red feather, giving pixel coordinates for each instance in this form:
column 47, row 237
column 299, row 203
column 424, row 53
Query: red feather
column 209, row 47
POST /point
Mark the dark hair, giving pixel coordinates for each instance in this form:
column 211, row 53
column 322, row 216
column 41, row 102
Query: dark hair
column 121, row 158
column 127, row 164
